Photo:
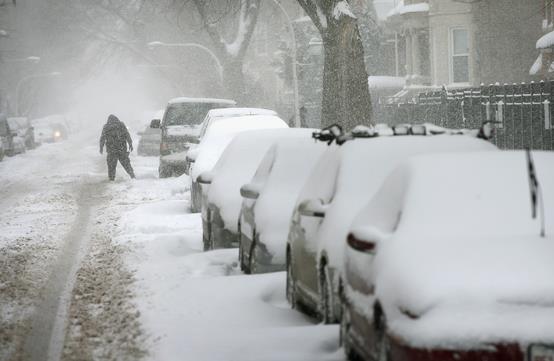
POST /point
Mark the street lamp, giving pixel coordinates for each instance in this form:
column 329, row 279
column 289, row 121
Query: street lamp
column 154, row 44
column 27, row 78
column 294, row 65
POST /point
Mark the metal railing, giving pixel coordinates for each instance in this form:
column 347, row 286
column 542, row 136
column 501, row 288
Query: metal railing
column 522, row 112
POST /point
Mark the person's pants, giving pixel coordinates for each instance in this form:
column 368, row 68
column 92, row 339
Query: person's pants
column 123, row 158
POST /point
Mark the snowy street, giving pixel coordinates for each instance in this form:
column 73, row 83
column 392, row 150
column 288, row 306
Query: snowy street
column 116, row 271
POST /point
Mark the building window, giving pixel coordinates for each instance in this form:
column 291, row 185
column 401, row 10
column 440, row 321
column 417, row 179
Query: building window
column 460, row 56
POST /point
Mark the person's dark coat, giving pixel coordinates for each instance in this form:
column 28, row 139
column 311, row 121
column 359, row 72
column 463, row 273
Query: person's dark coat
column 115, row 136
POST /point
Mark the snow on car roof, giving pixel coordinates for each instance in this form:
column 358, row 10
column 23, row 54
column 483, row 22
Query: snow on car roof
column 466, row 255
column 235, row 112
column 348, row 176
column 292, row 159
column 201, row 100
column 237, row 166
column 220, row 134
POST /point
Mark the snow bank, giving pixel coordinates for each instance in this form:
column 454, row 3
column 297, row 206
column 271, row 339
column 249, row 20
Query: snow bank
column 546, row 41
column 290, row 160
column 471, row 266
column 402, row 9
column 220, row 134
column 237, row 166
column 386, row 82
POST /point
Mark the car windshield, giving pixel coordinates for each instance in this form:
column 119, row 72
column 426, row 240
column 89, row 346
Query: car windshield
column 188, row 113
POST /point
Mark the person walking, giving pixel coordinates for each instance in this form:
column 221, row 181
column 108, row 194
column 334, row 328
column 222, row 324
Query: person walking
column 116, row 137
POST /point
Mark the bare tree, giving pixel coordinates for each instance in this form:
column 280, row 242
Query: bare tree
column 346, row 98
column 217, row 17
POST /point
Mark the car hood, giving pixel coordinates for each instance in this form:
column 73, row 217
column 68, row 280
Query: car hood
column 468, row 291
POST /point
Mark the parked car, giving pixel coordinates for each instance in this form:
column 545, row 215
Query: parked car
column 269, row 199
column 12, row 143
column 50, row 129
column 216, row 115
column 180, row 127
column 236, row 166
column 150, row 138
column 218, row 136
column 344, row 179
column 447, row 261
column 22, row 126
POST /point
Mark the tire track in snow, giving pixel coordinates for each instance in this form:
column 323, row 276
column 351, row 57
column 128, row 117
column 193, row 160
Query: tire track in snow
column 46, row 336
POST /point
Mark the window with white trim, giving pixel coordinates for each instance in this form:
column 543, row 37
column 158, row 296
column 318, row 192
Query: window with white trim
column 460, row 56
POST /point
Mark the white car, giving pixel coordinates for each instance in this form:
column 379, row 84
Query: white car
column 447, row 261
column 212, row 145
column 269, row 199
column 236, row 167
column 342, row 182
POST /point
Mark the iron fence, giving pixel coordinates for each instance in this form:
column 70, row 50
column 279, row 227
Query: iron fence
column 522, row 113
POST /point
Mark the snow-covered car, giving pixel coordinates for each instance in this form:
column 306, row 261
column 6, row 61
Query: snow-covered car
column 180, row 127
column 150, row 138
column 11, row 142
column 447, row 261
column 212, row 145
column 50, row 129
column 216, row 115
column 269, row 199
column 342, row 182
column 22, row 126
column 236, row 167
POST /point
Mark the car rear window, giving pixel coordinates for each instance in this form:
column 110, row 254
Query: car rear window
column 188, row 113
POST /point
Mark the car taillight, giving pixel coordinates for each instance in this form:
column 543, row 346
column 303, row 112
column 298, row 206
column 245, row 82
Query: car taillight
column 163, row 146
column 362, row 246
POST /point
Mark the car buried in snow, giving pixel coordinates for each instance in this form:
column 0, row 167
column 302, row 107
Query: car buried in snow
column 342, row 181
column 180, row 128
column 269, row 198
column 24, row 130
column 213, row 144
column 217, row 115
column 12, row 143
column 221, row 204
column 449, row 261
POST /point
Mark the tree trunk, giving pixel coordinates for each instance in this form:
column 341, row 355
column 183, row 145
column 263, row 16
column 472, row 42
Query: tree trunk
column 233, row 80
column 346, row 98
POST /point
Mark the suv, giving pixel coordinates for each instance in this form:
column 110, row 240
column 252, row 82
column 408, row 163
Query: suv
column 180, row 128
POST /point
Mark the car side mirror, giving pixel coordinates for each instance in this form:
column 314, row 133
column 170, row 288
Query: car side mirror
column 250, row 191
column 205, row 178
column 155, row 123
column 312, row 208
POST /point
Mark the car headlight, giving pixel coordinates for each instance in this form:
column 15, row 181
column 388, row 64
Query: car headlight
column 57, row 134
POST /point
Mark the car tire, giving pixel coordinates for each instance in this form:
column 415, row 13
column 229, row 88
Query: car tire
column 382, row 345
column 165, row 172
column 325, row 302
column 345, row 341
column 291, row 287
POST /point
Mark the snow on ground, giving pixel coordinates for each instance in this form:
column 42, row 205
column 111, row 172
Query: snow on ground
column 197, row 305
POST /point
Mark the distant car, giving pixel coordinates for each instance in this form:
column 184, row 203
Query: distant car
column 50, row 129
column 236, row 167
column 180, row 127
column 344, row 179
column 447, row 263
column 216, row 138
column 11, row 142
column 269, row 199
column 22, row 126
column 150, row 138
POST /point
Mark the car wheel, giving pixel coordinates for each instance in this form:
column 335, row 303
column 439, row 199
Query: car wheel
column 291, row 289
column 382, row 346
column 345, row 333
column 164, row 172
column 325, row 306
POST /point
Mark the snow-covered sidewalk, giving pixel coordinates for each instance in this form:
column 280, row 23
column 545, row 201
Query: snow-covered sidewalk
column 197, row 305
